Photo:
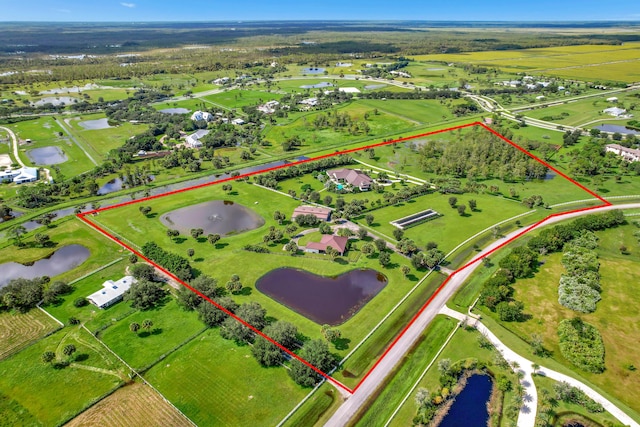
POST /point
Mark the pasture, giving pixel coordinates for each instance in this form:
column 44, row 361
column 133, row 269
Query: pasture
column 134, row 404
column 18, row 330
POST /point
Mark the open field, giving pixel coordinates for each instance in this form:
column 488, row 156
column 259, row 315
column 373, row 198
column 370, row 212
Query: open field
column 44, row 132
column 18, row 330
column 590, row 62
column 215, row 382
column 419, row 110
column 132, row 405
column 614, row 317
column 51, row 396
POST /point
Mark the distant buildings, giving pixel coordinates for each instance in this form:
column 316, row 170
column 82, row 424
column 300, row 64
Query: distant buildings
column 615, row 111
column 309, row 102
column 352, row 177
column 629, row 154
column 269, row 107
column 111, row 292
column 202, row 115
column 321, row 213
column 19, row 176
column 193, row 140
column 238, row 121
column 221, row 81
column 612, row 99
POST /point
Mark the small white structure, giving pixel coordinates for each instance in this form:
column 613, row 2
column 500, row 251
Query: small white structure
column 612, row 99
column 19, row 176
column 221, row 81
column 540, row 97
column 238, row 121
column 111, row 292
column 400, row 73
column 202, row 115
column 269, row 107
column 310, row 102
column 629, row 154
column 193, row 140
column 614, row 111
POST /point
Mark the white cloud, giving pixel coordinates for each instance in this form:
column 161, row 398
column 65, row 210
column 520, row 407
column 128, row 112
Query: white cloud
column 129, row 5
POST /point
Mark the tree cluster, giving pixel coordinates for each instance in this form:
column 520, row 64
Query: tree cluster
column 579, row 288
column 22, row 294
column 271, row 179
column 581, row 344
column 174, row 263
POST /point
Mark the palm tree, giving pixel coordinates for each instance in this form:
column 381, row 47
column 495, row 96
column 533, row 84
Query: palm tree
column 17, row 232
column 147, row 324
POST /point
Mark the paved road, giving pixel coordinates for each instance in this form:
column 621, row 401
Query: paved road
column 376, row 378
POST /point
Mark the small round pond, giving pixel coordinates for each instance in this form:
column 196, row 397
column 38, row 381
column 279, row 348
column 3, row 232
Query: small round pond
column 325, row 300
column 95, row 124
column 317, row 85
column 617, row 128
column 215, row 217
column 50, row 155
column 61, row 261
column 313, row 70
column 470, row 406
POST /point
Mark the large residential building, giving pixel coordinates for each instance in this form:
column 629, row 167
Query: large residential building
column 629, row 154
column 268, row 107
column 202, row 115
column 328, row 240
column 614, row 111
column 321, row 213
column 352, row 177
column 111, row 292
column 193, row 140
column 19, row 176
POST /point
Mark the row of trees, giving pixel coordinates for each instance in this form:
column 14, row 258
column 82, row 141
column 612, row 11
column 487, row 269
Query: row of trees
column 271, row 179
column 175, row 263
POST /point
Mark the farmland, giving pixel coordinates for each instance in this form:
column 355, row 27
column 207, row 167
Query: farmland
column 21, row 329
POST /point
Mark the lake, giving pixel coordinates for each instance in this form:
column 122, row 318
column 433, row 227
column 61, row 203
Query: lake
column 617, row 128
column 470, row 406
column 50, row 155
column 64, row 259
column 222, row 217
column 175, row 111
column 325, row 300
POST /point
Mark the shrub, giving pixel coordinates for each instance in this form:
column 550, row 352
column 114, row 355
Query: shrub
column 582, row 345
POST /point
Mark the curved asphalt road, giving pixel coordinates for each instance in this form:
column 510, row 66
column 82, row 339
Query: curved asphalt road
column 385, row 366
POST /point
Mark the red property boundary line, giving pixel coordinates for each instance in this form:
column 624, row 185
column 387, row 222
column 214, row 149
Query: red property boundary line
column 84, row 216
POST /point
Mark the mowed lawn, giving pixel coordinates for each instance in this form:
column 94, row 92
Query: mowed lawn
column 616, row 316
column 215, row 382
column 43, row 132
column 171, row 327
column 19, row 329
column 450, row 228
column 228, row 256
column 50, row 396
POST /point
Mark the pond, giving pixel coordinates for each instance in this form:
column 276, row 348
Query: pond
column 50, row 155
column 117, row 184
column 470, row 406
column 617, row 128
column 325, row 300
column 175, row 111
column 374, row 87
column 95, row 124
column 313, row 70
column 222, row 217
column 317, row 85
column 61, row 261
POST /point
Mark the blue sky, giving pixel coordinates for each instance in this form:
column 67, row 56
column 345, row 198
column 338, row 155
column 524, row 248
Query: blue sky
column 217, row 10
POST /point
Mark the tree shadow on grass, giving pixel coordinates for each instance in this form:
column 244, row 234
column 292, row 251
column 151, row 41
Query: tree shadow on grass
column 152, row 215
column 179, row 240
column 342, row 343
column 81, row 357
column 246, row 291
column 221, row 245
column 199, row 259
column 341, row 261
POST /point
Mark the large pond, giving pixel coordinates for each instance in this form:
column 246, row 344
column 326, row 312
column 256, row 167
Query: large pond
column 62, row 260
column 175, row 111
column 222, row 217
column 95, row 124
column 617, row 128
column 56, row 100
column 313, row 70
column 470, row 406
column 325, row 300
column 317, row 85
column 50, row 155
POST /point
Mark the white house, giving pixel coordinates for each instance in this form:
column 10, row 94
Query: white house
column 309, row 102
column 238, row 121
column 202, row 115
column 111, row 292
column 629, row 154
column 19, row 176
column 193, row 140
column 614, row 111
column 221, row 81
column 612, row 99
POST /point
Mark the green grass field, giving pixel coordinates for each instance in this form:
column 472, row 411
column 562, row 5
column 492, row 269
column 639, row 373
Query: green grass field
column 44, row 132
column 49, row 396
column 215, row 382
column 616, row 319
